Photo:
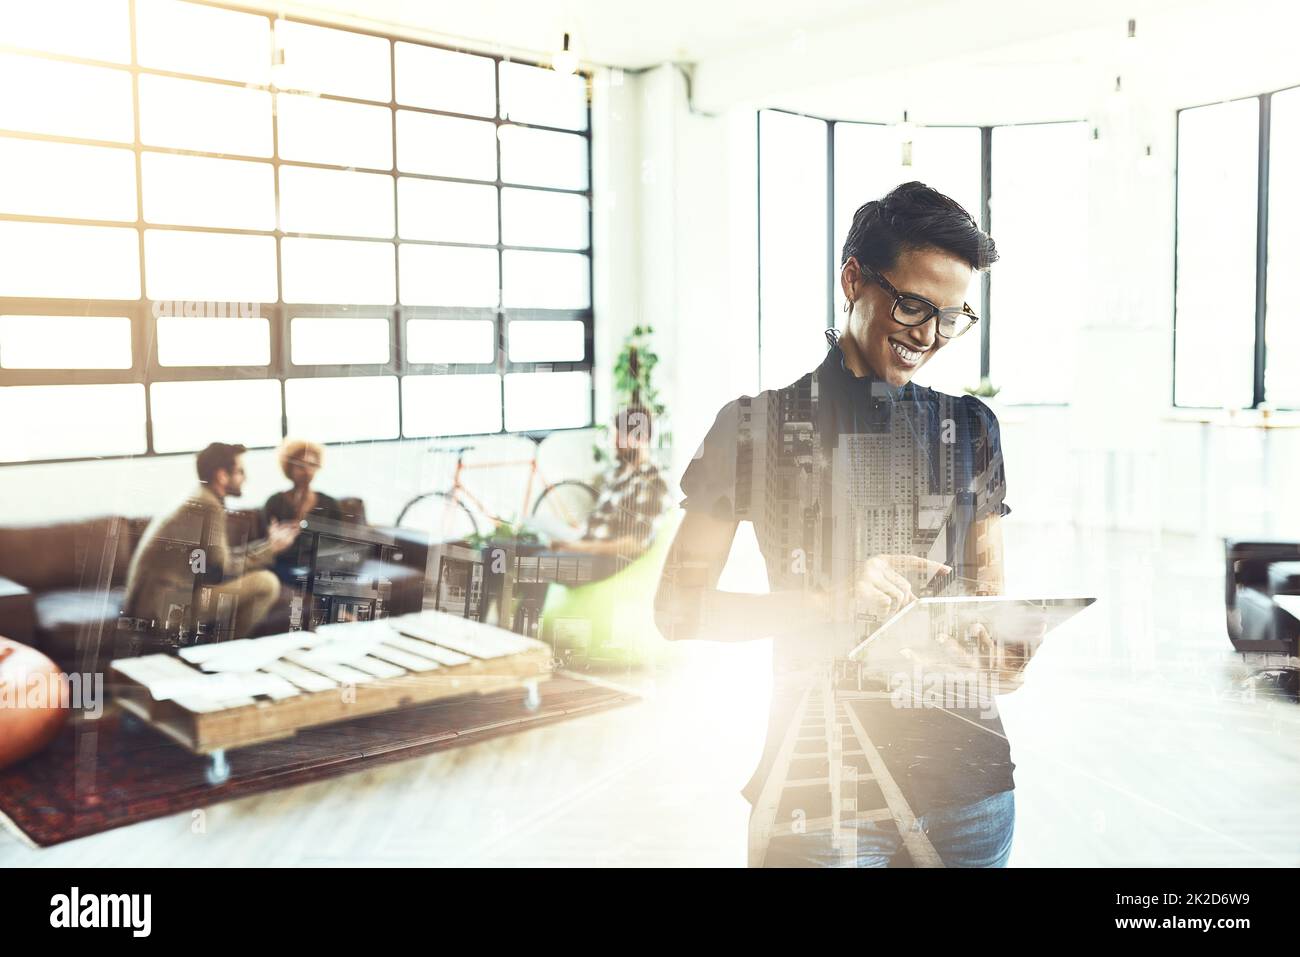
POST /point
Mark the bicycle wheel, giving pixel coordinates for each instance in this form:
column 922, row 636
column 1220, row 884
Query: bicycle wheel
column 566, row 503
column 443, row 516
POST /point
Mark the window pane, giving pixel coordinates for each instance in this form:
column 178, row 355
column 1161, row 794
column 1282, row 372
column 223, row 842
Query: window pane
column 534, row 217
column 444, row 80
column 203, row 40
column 451, row 340
column 869, row 163
column 213, row 342
column 545, row 280
column 1042, row 261
column 451, row 405
column 201, row 191
column 65, row 342
column 93, row 29
column 448, row 276
column 342, row 409
column 61, row 179
column 335, row 201
column 530, row 94
column 337, row 270
column 1214, row 315
column 209, row 267
column 69, row 262
column 1282, row 374
column 66, row 99
column 330, row 131
column 446, row 146
column 66, row 421
column 543, row 158
column 454, row 212
column 332, row 61
column 208, row 117
column 547, row 340
column 547, row 400
column 189, row 415
column 338, row 341
column 792, row 253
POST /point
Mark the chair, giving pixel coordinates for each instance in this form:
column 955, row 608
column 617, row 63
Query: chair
column 613, row 619
column 26, row 726
column 1256, row 572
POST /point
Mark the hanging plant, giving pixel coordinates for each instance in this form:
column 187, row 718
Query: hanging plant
column 633, row 385
column 634, row 372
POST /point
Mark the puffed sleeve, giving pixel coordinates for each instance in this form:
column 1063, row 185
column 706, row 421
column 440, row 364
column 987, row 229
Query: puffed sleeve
column 988, row 471
column 709, row 482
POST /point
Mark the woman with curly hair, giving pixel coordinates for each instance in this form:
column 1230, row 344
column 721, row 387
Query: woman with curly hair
column 300, row 460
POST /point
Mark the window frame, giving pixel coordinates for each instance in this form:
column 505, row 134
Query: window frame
column 833, row 241
column 146, row 369
column 1263, row 147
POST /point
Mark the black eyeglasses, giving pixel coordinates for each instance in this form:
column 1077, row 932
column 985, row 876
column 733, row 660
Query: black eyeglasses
column 912, row 310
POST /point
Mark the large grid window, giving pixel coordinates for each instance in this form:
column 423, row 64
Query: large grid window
column 815, row 173
column 220, row 225
column 1237, row 297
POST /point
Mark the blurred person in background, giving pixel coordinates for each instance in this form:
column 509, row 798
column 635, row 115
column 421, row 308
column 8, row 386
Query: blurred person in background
column 632, row 495
column 185, row 573
column 300, row 460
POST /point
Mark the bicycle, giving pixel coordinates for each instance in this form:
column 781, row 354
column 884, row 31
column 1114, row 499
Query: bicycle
column 569, row 501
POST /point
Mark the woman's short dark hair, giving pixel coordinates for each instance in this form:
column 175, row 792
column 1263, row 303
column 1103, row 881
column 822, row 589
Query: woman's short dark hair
column 216, row 457
column 915, row 216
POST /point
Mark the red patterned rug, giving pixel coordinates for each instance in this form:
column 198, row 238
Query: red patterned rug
column 116, row 771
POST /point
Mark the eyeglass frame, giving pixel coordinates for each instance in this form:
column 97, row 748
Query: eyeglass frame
column 940, row 311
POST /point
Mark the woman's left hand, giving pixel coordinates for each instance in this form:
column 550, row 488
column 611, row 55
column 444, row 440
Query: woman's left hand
column 1004, row 655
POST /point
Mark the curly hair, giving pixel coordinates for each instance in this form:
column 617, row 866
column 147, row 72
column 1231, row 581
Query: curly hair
column 915, row 216
column 294, row 449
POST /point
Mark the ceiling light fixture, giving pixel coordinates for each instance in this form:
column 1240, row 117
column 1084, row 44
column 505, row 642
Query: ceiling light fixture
column 905, row 131
column 565, row 60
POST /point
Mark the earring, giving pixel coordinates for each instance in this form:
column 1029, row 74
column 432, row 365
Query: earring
column 847, row 306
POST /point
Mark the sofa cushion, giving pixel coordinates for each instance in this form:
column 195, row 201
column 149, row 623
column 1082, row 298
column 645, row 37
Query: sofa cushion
column 67, row 619
column 17, row 612
column 66, row 554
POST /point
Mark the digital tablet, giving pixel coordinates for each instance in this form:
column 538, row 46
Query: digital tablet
column 918, row 625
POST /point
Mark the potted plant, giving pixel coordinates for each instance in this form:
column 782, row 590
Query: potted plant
column 985, row 390
column 634, row 385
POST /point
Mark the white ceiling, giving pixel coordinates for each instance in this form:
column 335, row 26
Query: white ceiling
column 946, row 61
column 607, row 32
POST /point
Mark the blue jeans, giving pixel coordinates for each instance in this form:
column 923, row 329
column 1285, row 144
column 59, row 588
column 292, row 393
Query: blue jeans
column 969, row 835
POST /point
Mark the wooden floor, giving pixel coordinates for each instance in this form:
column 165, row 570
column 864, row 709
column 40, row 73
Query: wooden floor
column 1132, row 742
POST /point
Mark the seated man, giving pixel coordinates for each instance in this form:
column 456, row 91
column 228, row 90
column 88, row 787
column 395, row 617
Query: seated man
column 632, row 494
column 186, row 576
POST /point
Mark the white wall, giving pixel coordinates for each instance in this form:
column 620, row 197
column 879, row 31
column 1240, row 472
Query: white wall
column 698, row 250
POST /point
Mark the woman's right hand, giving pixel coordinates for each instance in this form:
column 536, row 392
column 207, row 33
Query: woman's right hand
column 882, row 587
column 885, row 584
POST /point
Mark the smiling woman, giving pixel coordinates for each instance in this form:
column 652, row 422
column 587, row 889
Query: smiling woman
column 932, row 248
column 864, row 490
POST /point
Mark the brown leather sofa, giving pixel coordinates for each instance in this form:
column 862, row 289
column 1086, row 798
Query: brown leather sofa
column 62, row 585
